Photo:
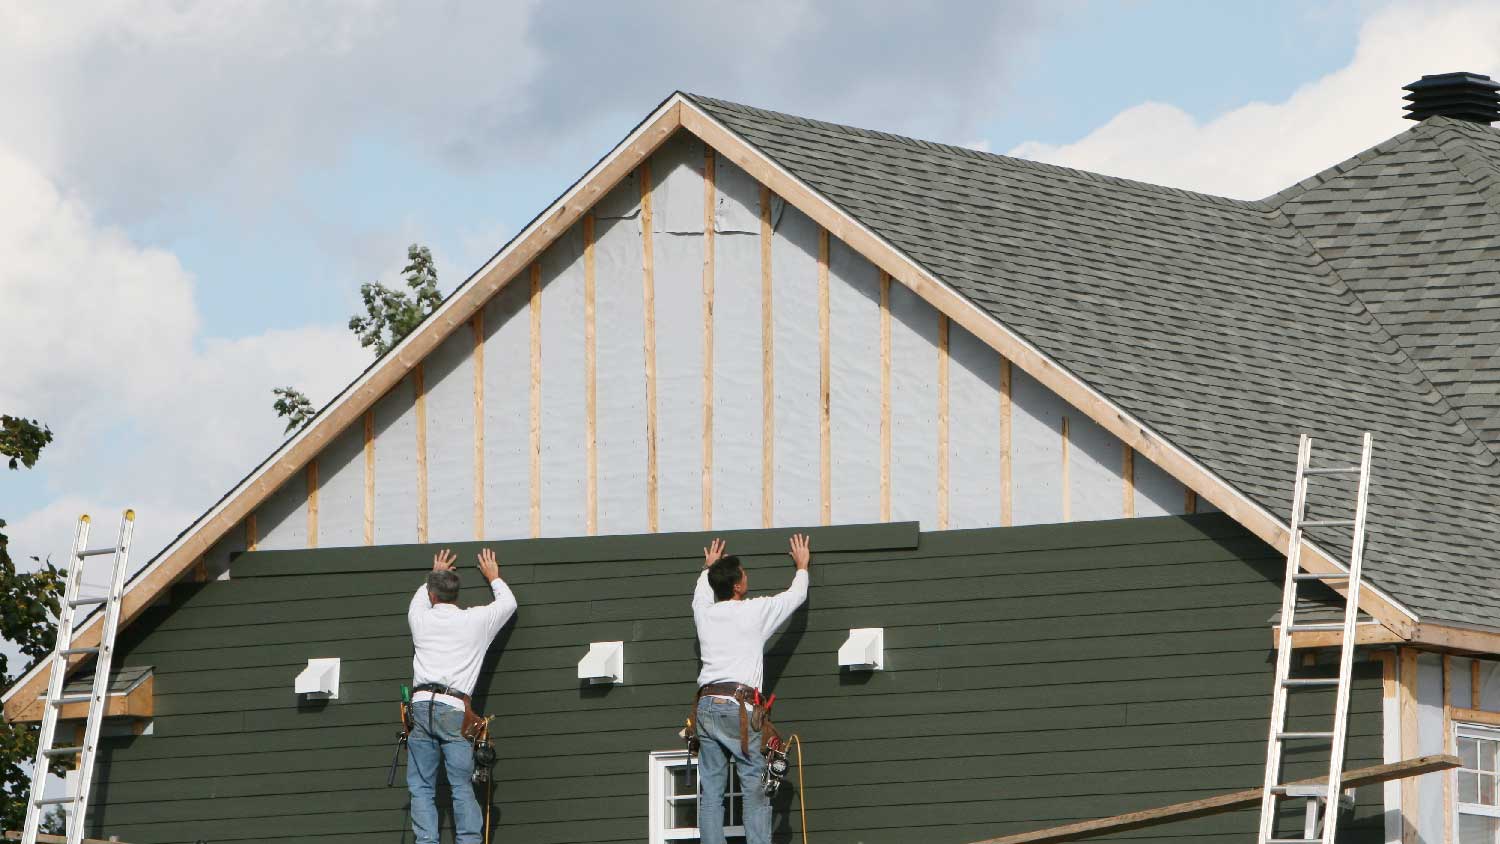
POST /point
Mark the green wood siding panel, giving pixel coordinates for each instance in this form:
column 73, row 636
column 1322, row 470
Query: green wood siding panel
column 1034, row 676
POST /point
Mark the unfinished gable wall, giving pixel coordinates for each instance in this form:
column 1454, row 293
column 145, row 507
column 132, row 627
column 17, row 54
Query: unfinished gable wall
column 701, row 355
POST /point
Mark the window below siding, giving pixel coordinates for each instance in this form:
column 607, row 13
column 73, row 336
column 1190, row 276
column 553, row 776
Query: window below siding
column 1478, row 792
column 674, row 799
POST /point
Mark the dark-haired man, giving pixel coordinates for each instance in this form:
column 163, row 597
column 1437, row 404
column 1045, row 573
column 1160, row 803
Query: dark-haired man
column 449, row 643
column 732, row 636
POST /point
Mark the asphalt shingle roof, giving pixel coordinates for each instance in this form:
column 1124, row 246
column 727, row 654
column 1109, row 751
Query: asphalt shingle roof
column 1229, row 327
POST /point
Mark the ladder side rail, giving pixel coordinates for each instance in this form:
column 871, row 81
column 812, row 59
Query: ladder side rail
column 1284, row 644
column 102, row 666
column 46, row 736
column 1346, row 647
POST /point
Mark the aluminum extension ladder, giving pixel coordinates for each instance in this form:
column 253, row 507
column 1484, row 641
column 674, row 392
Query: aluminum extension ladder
column 1326, row 796
column 77, row 803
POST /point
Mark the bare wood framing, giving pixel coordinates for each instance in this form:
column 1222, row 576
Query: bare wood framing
column 138, row 702
column 535, row 307
column 648, row 281
column 1005, row 436
column 1404, row 770
column 885, row 396
column 1409, row 795
column 1477, row 716
column 476, row 325
column 1127, row 473
column 1367, row 633
column 942, row 423
column 710, row 204
column 360, row 395
column 1189, row 500
column 590, row 382
column 419, row 388
column 1447, row 747
column 1474, row 684
column 312, row 503
column 825, row 400
column 1051, row 375
column 1067, row 491
column 768, row 369
column 369, row 420
column 252, row 539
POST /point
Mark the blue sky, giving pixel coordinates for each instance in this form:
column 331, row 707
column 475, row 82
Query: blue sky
column 197, row 190
column 1077, row 70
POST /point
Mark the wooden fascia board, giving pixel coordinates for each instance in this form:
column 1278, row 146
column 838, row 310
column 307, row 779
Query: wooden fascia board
column 1020, row 352
column 1364, row 634
column 138, row 702
column 346, row 409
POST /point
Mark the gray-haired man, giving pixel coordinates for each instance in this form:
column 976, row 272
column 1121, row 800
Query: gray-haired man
column 450, row 642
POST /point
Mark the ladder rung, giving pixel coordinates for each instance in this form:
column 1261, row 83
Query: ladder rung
column 65, row 751
column 1293, row 682
column 1328, row 523
column 1315, row 627
column 95, row 552
column 1301, row 791
column 78, row 651
column 1331, row 470
column 84, row 602
column 67, row 699
column 54, row 801
column 1305, row 736
column 1332, row 575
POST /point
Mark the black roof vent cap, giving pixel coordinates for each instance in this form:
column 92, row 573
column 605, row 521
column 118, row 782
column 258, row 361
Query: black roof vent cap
column 1465, row 96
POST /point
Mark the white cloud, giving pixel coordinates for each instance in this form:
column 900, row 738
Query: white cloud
column 101, row 341
column 1260, row 148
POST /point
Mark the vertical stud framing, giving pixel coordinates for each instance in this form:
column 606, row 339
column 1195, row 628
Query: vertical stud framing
column 885, row 396
column 768, row 369
column 369, row 477
column 942, row 423
column 1005, row 435
column 312, row 503
column 1067, row 487
column 825, row 439
column 590, row 380
column 1127, row 473
column 419, row 387
column 710, row 204
column 476, row 326
column 648, row 284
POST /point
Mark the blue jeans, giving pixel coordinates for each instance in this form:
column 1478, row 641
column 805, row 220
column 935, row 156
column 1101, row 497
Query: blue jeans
column 435, row 738
column 718, row 728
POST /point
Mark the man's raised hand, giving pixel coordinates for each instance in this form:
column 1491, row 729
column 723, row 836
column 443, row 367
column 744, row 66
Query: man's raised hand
column 800, row 552
column 488, row 565
column 443, row 560
column 713, row 552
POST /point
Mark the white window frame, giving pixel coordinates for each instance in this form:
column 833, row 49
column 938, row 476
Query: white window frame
column 1483, row 733
column 661, row 763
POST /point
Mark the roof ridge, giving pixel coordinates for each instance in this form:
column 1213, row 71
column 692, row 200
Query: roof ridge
column 1327, row 174
column 1459, row 134
column 970, row 152
column 1386, row 339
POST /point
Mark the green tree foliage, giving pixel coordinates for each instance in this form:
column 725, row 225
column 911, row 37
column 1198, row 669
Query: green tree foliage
column 28, row 604
column 392, row 313
column 22, row 440
column 294, row 405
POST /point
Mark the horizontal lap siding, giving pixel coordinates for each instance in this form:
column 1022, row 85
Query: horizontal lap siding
column 1034, row 675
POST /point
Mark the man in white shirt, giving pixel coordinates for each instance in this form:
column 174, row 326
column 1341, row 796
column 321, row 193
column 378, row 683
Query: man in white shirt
column 450, row 643
column 732, row 636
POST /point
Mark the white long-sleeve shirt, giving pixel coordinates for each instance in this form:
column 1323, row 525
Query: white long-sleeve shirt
column 450, row 641
column 732, row 635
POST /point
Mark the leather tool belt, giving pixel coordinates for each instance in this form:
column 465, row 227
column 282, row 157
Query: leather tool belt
column 472, row 720
column 742, row 695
